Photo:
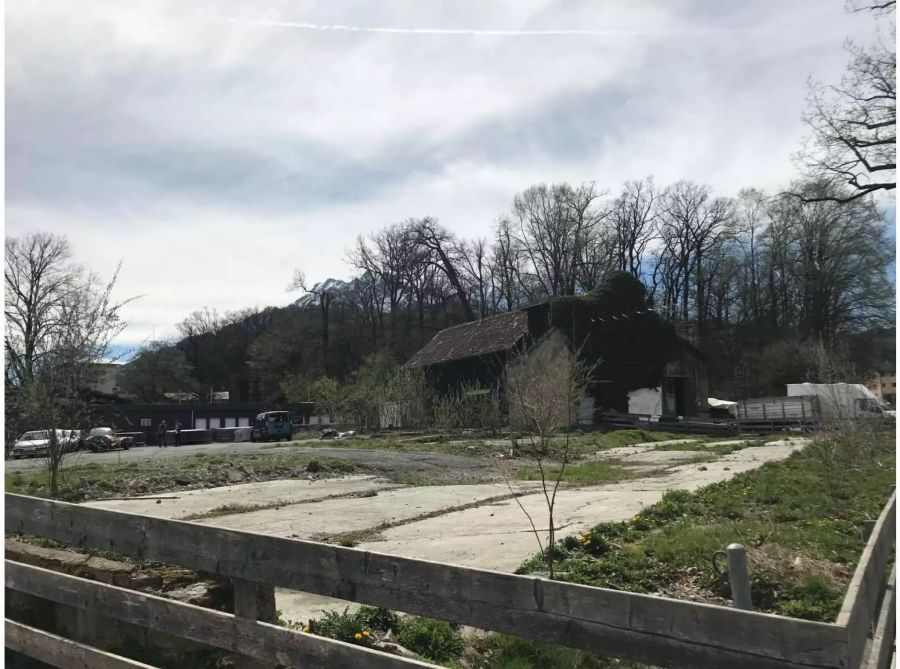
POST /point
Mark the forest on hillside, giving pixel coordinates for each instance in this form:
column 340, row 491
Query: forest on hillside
column 761, row 283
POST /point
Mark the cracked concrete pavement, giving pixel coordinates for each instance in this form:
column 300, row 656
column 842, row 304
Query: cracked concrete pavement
column 426, row 522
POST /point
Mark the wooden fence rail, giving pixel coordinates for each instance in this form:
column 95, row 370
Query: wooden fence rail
column 58, row 651
column 644, row 628
column 864, row 594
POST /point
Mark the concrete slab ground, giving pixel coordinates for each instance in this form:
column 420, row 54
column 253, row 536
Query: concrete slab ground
column 491, row 534
column 189, row 502
column 659, row 458
column 498, row 536
column 320, row 520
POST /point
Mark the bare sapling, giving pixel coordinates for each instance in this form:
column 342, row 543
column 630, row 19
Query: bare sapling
column 545, row 387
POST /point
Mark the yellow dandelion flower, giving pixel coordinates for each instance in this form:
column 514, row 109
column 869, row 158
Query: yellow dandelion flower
column 306, row 629
column 366, row 633
column 357, row 636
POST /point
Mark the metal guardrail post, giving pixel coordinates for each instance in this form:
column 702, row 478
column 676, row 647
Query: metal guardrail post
column 867, row 527
column 738, row 577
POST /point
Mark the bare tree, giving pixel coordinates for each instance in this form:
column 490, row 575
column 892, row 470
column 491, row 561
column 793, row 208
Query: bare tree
column 438, row 246
column 560, row 234
column 323, row 295
column 853, row 124
column 63, row 323
column 633, row 217
column 835, row 258
column 506, row 268
column 39, row 276
column 876, row 7
column 751, row 222
column 691, row 224
column 474, row 262
column 201, row 322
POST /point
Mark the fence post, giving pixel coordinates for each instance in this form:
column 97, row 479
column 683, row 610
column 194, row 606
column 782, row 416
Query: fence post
column 738, row 577
column 251, row 602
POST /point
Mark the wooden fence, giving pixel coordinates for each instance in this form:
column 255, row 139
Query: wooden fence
column 644, row 628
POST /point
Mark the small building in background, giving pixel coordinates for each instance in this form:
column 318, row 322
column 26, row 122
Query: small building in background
column 105, row 379
column 884, row 385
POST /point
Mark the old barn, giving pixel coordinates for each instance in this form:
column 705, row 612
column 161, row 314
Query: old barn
column 641, row 366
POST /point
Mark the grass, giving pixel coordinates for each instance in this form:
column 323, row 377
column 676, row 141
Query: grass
column 599, row 441
column 231, row 509
column 799, row 518
column 86, row 481
column 595, row 472
column 435, row 443
column 501, row 651
column 580, row 445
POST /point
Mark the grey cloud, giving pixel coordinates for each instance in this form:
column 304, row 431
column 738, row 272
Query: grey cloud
column 162, row 109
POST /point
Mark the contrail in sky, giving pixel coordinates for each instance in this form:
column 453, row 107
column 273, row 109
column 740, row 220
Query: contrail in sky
column 265, row 23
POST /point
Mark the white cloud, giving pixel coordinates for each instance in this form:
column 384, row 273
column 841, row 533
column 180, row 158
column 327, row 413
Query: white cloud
column 214, row 157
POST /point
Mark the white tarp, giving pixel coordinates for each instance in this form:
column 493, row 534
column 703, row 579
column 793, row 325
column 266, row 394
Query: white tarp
column 730, row 407
column 647, row 401
column 838, row 399
column 586, row 410
column 720, row 404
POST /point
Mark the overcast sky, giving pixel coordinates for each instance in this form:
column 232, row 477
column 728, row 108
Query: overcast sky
column 213, row 147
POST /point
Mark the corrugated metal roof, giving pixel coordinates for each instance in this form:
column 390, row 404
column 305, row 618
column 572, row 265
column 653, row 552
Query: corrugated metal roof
column 489, row 335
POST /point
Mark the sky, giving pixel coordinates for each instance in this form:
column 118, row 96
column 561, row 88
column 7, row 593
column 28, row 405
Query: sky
column 214, row 147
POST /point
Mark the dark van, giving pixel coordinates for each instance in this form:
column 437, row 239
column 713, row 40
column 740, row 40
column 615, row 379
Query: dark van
column 272, row 425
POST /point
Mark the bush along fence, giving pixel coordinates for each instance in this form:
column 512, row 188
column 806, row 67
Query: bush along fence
column 643, row 628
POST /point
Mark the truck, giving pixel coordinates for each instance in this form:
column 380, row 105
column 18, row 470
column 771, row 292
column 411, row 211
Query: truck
column 843, row 400
column 798, row 410
column 809, row 404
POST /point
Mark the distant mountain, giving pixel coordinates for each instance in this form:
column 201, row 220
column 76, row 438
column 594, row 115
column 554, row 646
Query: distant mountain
column 334, row 286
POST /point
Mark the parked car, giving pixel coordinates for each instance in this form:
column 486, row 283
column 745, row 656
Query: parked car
column 106, row 439
column 272, row 425
column 37, row 443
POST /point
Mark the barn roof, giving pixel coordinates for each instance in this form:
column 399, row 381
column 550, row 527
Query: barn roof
column 489, row 335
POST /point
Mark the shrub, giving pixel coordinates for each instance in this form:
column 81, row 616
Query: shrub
column 378, row 619
column 314, row 467
column 594, row 543
column 434, row 639
column 571, row 543
column 343, row 626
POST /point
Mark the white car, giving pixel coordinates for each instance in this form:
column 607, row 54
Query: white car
column 36, row 444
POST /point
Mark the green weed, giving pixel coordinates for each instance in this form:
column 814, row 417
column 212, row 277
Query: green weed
column 801, row 529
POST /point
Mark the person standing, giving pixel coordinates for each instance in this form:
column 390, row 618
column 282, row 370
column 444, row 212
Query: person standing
column 178, row 433
column 161, row 434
